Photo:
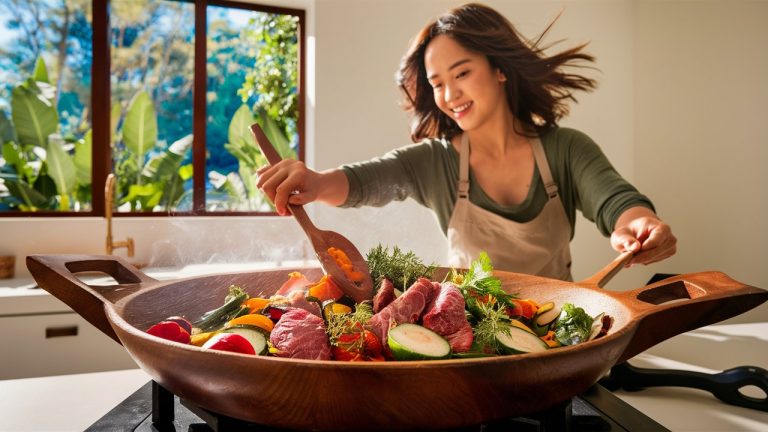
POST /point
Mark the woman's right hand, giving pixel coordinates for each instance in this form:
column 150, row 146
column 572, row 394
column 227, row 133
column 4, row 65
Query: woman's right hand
column 291, row 182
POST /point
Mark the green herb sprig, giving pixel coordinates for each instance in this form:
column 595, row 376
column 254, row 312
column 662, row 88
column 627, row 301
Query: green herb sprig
column 354, row 322
column 401, row 268
column 494, row 319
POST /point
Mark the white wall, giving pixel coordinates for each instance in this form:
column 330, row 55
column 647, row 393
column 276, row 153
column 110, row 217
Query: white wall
column 701, row 141
column 678, row 109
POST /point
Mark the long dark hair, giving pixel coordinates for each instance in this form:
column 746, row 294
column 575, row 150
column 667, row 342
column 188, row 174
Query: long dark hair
column 538, row 90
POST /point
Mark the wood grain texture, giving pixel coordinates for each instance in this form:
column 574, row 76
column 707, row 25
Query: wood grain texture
column 423, row 395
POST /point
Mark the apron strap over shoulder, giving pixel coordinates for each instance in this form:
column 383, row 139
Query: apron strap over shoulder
column 464, row 167
column 541, row 162
column 539, row 246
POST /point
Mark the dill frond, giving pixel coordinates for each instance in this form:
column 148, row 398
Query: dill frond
column 494, row 320
column 353, row 322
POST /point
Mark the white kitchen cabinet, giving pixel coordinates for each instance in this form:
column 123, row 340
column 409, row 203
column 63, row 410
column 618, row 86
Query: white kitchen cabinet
column 41, row 336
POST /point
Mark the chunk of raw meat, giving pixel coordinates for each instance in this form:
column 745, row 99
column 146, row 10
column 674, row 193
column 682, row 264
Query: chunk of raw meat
column 301, row 335
column 446, row 317
column 384, row 296
column 407, row 308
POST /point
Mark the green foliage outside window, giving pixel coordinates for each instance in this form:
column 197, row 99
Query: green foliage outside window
column 46, row 142
column 276, row 39
column 41, row 170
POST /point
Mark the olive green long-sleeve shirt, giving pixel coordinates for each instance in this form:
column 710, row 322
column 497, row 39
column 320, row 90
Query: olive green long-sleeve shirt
column 428, row 172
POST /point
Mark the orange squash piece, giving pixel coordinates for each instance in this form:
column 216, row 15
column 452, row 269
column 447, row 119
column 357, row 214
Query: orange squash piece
column 256, row 304
column 525, row 308
column 257, row 320
column 325, row 289
column 345, row 264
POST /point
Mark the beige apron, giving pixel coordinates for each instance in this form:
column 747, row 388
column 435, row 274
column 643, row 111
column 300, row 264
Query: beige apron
column 538, row 247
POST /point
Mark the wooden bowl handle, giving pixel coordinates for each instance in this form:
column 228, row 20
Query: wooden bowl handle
column 56, row 274
column 682, row 303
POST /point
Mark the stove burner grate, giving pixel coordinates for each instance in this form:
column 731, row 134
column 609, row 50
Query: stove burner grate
column 152, row 408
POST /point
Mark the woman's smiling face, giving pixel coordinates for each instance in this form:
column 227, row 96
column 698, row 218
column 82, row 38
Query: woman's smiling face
column 465, row 86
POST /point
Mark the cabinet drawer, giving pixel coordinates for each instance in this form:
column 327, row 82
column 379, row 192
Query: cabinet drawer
column 56, row 344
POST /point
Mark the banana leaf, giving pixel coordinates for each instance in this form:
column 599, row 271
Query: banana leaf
column 46, row 186
column 33, row 114
column 40, row 73
column 186, row 171
column 167, row 163
column 61, row 168
column 27, row 196
column 172, row 193
column 146, row 195
column 82, row 159
column 249, row 179
column 276, row 135
column 236, row 192
column 239, row 127
column 7, row 133
column 140, row 127
column 164, row 170
column 14, row 157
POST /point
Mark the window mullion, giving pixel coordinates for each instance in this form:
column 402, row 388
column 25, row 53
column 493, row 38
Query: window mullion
column 199, row 108
column 100, row 105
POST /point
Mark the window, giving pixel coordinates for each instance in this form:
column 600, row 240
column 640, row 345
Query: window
column 160, row 92
column 45, row 74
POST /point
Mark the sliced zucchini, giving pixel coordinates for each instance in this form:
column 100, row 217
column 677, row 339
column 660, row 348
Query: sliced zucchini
column 546, row 314
column 252, row 334
column 414, row 342
column 519, row 341
column 540, row 330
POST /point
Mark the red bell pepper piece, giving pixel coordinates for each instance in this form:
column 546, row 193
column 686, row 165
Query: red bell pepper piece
column 231, row 342
column 171, row 331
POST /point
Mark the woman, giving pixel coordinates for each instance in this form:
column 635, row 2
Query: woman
column 490, row 160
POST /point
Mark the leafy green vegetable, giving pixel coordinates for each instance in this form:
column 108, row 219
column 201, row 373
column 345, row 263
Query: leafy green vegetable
column 573, row 326
column 230, row 309
column 478, row 283
column 401, row 268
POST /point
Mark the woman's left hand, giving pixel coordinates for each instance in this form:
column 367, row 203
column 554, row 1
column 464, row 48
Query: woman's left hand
column 639, row 230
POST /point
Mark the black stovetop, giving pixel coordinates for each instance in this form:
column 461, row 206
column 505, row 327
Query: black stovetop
column 152, row 408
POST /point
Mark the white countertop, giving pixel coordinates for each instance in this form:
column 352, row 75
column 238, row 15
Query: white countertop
column 74, row 402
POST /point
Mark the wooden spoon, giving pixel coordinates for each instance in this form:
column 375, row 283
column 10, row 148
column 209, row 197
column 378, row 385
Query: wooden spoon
column 323, row 240
column 607, row 273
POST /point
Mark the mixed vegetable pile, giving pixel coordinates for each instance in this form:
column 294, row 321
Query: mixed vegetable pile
column 501, row 323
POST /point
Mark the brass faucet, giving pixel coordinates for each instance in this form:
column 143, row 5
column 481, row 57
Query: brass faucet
column 109, row 192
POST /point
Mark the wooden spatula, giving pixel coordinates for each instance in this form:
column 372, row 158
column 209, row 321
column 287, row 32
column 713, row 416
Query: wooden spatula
column 322, row 240
column 607, row 273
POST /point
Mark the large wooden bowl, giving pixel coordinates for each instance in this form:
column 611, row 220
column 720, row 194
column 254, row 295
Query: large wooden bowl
column 329, row 395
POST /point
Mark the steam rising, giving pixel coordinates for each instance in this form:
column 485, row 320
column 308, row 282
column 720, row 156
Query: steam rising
column 185, row 241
